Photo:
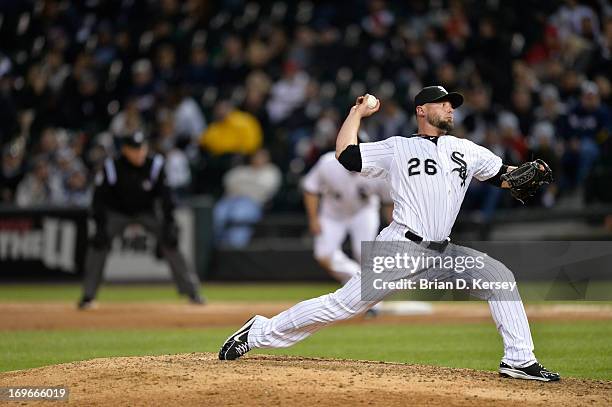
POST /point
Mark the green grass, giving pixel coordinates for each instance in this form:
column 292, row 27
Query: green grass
column 166, row 292
column 578, row 349
column 531, row 292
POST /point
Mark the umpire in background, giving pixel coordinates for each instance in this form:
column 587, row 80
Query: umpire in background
column 132, row 190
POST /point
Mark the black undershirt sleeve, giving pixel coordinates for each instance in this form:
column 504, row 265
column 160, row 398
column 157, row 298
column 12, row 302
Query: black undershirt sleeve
column 350, row 158
column 496, row 179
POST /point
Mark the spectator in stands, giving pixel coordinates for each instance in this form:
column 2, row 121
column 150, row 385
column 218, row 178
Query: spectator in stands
column 51, row 140
column 247, row 189
column 551, row 108
column 522, row 107
column 379, row 20
column 87, row 106
column 145, row 87
column 287, row 94
column 446, row 76
column 569, row 86
column 588, row 124
column 505, row 140
column 511, row 138
column 76, row 190
column 106, row 50
column 126, row 52
column 258, row 85
column 489, row 50
column 232, row 67
column 457, row 26
column 164, row 137
column 11, row 171
column 8, row 105
column 308, row 122
column 480, row 116
column 187, row 116
column 38, row 187
column 603, row 58
column 301, row 51
column 543, row 145
column 65, row 160
column 128, row 120
column 199, row 72
column 37, row 98
column 572, row 17
column 56, row 69
column 524, row 77
column 546, row 49
column 96, row 155
column 605, row 89
column 165, row 65
column 232, row 132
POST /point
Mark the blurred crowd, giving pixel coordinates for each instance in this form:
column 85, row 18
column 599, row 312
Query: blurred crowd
column 213, row 83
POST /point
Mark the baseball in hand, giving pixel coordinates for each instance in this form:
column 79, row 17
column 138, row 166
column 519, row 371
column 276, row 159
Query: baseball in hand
column 371, row 101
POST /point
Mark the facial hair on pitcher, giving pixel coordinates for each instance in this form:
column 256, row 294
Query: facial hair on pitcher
column 440, row 123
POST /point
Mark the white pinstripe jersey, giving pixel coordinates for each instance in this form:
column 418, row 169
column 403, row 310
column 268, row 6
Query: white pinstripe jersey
column 428, row 179
column 343, row 193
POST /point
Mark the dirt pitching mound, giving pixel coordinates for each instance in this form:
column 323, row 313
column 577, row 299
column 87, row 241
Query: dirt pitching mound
column 199, row 379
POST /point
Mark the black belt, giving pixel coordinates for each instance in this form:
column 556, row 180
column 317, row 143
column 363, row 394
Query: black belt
column 437, row 246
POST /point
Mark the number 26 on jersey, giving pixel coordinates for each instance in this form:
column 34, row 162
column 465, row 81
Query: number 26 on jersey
column 415, row 168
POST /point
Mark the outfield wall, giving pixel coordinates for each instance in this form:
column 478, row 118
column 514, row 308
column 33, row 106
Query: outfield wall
column 50, row 244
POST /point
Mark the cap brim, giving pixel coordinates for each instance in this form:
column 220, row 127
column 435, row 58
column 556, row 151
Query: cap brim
column 455, row 98
column 133, row 144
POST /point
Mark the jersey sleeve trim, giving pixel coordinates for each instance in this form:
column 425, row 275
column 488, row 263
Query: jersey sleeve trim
column 350, row 158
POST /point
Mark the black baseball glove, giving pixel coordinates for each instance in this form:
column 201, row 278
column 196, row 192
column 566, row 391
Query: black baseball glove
column 526, row 179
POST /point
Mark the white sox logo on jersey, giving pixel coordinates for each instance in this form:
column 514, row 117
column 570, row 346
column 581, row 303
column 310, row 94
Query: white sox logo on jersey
column 457, row 158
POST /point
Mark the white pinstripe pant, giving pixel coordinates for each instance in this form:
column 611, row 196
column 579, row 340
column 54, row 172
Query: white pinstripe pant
column 307, row 317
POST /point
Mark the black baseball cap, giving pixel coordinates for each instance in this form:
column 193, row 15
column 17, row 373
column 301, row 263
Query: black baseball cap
column 135, row 139
column 432, row 94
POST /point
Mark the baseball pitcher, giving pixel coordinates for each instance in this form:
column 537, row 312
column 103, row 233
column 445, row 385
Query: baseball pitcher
column 429, row 173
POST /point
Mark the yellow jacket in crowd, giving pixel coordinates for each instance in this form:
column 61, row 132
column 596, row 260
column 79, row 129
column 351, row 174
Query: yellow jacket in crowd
column 239, row 132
